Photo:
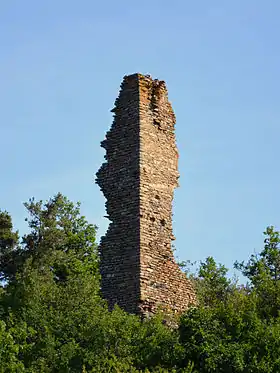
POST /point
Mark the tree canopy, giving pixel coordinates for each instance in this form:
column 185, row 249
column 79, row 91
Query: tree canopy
column 53, row 318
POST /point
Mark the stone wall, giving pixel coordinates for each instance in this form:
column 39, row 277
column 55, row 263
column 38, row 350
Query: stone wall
column 138, row 269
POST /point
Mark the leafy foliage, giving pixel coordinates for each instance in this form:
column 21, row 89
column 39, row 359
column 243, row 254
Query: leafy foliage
column 263, row 271
column 8, row 247
column 53, row 319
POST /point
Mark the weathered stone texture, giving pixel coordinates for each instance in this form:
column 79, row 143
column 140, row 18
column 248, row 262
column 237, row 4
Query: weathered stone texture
column 138, row 269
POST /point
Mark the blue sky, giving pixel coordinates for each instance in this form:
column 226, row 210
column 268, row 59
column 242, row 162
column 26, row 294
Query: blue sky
column 61, row 64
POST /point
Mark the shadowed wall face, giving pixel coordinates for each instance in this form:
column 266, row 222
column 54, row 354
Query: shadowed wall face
column 119, row 180
column 138, row 269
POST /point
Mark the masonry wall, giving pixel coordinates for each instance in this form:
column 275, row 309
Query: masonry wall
column 162, row 282
column 138, row 179
column 119, row 180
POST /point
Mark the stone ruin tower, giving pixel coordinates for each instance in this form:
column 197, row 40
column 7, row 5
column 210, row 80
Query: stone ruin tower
column 137, row 266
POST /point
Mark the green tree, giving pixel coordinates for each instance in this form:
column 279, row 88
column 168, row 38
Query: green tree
column 55, row 285
column 263, row 272
column 236, row 328
column 9, row 352
column 55, row 293
column 9, row 245
column 212, row 283
column 230, row 338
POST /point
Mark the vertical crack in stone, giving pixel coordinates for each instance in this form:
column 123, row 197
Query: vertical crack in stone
column 138, row 269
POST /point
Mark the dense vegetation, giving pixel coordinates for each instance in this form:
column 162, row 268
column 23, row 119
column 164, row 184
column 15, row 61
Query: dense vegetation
column 52, row 318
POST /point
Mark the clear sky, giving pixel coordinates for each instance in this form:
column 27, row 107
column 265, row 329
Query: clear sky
column 61, row 64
